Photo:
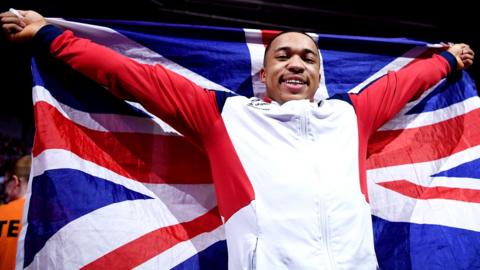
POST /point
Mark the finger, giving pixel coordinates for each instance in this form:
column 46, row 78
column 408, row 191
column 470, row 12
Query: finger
column 6, row 13
column 11, row 28
column 467, row 58
column 467, row 64
column 468, row 51
column 13, row 20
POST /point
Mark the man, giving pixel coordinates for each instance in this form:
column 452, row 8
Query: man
column 288, row 172
column 16, row 182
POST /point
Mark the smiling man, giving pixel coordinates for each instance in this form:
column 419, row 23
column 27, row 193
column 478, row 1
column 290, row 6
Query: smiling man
column 289, row 173
column 291, row 67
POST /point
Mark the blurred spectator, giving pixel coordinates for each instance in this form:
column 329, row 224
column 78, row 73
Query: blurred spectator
column 15, row 185
column 11, row 149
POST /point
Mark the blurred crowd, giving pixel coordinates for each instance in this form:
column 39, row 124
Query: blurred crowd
column 11, row 149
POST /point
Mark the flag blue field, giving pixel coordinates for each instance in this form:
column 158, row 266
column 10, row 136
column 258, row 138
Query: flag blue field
column 114, row 187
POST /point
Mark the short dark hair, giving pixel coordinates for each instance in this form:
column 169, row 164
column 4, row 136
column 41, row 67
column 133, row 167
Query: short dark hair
column 286, row 32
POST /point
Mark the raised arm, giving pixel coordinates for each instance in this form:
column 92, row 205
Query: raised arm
column 187, row 107
column 382, row 99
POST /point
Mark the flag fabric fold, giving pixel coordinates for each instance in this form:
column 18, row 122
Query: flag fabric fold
column 113, row 186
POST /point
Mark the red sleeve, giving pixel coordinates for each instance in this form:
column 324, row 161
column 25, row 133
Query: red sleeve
column 384, row 98
column 178, row 101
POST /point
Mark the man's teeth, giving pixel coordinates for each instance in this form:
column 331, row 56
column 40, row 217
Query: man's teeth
column 294, row 81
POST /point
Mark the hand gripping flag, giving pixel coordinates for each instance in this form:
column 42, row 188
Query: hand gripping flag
column 114, row 187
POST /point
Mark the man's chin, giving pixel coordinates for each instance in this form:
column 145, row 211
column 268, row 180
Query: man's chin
column 291, row 96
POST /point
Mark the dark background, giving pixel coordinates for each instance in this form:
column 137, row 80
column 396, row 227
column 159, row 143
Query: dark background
column 452, row 21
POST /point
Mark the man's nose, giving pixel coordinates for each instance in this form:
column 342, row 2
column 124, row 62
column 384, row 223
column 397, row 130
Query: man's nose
column 296, row 64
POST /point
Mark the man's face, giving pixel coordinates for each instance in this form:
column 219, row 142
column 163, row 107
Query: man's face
column 291, row 68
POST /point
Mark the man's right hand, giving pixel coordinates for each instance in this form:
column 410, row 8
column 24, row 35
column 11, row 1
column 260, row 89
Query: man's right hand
column 21, row 29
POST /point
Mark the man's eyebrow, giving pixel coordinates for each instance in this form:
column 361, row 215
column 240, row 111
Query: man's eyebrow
column 305, row 51
column 283, row 49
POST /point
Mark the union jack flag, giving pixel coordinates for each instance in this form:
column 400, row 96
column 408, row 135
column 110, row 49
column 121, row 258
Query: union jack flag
column 114, row 187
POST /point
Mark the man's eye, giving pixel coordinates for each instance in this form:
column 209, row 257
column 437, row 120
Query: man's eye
column 309, row 60
column 282, row 57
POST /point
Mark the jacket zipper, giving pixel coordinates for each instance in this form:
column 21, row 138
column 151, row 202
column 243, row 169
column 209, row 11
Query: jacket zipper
column 304, row 124
column 253, row 261
column 323, row 213
column 326, row 235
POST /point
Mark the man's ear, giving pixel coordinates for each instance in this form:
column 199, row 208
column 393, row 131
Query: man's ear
column 263, row 74
column 16, row 180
